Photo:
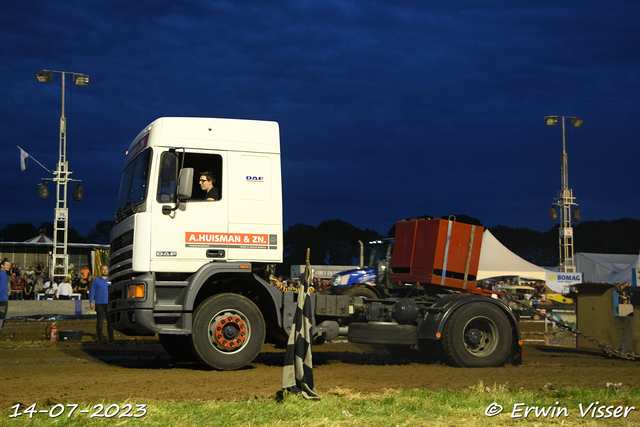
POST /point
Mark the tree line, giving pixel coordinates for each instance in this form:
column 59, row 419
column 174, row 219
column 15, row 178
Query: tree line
column 21, row 231
column 335, row 242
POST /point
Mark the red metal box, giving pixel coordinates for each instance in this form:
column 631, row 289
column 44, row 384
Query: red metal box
column 436, row 251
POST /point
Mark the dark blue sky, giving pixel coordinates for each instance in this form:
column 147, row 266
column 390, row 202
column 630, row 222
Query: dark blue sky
column 387, row 109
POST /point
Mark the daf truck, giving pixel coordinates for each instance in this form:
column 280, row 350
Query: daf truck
column 196, row 272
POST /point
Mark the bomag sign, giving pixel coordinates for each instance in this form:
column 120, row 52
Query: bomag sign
column 559, row 281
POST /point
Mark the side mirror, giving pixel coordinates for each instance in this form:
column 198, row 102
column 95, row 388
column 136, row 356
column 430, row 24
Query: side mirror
column 184, row 188
column 185, row 183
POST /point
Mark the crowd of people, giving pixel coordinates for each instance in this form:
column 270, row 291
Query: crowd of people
column 289, row 284
column 625, row 297
column 27, row 283
column 539, row 292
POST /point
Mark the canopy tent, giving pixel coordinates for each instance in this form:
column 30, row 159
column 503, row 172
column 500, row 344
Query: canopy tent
column 42, row 238
column 625, row 275
column 38, row 249
column 497, row 261
column 595, row 267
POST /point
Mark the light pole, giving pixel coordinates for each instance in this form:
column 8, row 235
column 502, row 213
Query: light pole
column 60, row 261
column 565, row 201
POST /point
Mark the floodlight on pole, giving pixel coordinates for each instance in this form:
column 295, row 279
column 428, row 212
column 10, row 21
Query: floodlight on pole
column 81, row 80
column 60, row 261
column 44, row 76
column 565, row 201
column 551, row 120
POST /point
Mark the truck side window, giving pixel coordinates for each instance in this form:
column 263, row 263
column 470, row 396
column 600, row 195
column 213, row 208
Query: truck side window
column 169, row 166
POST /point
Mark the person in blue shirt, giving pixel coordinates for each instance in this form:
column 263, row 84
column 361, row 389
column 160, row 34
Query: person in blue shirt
column 5, row 266
column 99, row 299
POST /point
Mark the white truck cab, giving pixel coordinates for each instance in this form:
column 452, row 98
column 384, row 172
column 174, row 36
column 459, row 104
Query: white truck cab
column 171, row 249
column 245, row 224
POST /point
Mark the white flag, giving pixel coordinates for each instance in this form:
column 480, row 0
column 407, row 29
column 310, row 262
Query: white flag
column 23, row 157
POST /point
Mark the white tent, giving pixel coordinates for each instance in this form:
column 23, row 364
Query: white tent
column 497, row 261
column 595, row 267
column 624, row 275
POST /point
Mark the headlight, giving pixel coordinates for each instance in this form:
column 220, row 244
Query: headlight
column 136, row 291
column 335, row 280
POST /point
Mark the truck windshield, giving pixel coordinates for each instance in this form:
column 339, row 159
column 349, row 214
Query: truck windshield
column 133, row 187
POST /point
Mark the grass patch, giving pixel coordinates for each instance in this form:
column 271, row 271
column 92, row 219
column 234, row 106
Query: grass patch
column 342, row 407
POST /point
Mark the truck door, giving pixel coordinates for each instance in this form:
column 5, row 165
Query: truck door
column 197, row 231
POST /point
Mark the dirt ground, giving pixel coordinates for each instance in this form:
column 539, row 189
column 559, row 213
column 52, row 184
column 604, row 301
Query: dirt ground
column 138, row 370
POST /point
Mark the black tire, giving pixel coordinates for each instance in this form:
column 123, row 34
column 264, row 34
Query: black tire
column 361, row 291
column 179, row 346
column 477, row 334
column 228, row 331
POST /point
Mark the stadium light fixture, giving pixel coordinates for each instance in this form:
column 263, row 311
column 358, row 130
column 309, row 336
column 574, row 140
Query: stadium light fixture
column 60, row 257
column 565, row 201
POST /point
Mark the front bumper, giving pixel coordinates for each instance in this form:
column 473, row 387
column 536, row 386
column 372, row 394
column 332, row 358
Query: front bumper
column 135, row 316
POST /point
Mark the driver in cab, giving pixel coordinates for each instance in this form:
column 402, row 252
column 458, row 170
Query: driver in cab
column 207, row 184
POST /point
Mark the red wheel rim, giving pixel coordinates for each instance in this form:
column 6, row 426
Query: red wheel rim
column 230, row 331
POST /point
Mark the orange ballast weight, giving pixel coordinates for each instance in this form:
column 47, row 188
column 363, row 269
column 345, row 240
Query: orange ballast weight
column 437, row 252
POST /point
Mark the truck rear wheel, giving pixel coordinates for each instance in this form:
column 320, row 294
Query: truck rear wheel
column 228, row 331
column 179, row 346
column 476, row 335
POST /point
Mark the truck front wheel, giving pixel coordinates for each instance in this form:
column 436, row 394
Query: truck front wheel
column 228, row 331
column 476, row 335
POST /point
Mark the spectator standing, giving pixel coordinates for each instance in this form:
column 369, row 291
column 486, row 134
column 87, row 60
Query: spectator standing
column 85, row 272
column 99, row 299
column 64, row 289
column 28, row 291
column 83, row 288
column 17, row 287
column 5, row 266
